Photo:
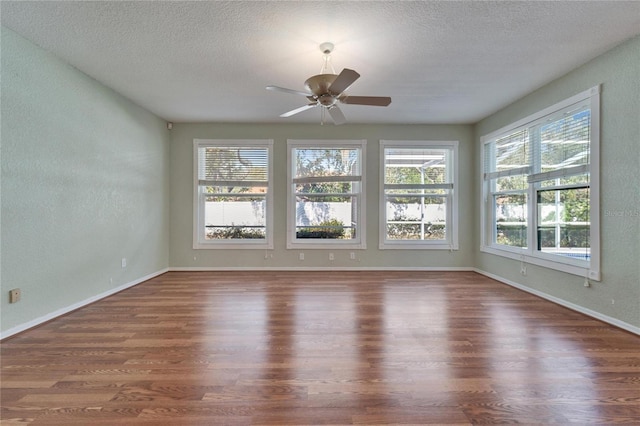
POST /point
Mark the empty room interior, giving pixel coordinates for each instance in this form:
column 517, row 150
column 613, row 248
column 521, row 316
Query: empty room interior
column 290, row 213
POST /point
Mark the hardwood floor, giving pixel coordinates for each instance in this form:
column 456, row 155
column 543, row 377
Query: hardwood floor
column 294, row 348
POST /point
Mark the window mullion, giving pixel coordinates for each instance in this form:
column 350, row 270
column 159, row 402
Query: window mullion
column 532, row 196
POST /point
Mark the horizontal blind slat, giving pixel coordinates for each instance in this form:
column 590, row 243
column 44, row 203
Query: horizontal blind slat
column 418, row 186
column 322, row 179
column 244, row 183
column 506, row 173
column 560, row 173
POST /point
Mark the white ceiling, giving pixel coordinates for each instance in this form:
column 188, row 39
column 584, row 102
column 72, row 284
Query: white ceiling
column 440, row 61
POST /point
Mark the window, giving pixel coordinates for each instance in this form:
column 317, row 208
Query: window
column 541, row 187
column 326, row 194
column 233, row 194
column 418, row 198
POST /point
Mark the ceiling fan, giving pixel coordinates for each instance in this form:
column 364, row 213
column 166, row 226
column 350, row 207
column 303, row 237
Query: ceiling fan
column 327, row 89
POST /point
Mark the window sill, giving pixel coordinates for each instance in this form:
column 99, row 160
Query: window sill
column 569, row 266
column 326, row 244
column 407, row 245
column 233, row 245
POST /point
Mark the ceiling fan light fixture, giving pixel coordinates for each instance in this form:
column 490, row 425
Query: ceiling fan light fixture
column 327, row 67
column 326, row 47
column 327, row 100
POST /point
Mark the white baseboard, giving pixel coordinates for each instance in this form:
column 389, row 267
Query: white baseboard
column 321, row 268
column 597, row 315
column 605, row 318
column 35, row 322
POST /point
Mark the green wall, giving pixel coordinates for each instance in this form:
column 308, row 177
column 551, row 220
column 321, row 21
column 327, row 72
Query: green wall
column 184, row 256
column 84, row 184
column 617, row 296
column 87, row 177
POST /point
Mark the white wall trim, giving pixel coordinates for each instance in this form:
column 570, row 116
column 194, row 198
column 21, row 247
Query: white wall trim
column 52, row 315
column 321, row 268
column 581, row 309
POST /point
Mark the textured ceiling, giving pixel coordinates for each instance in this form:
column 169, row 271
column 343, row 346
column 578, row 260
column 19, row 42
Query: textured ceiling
column 441, row 62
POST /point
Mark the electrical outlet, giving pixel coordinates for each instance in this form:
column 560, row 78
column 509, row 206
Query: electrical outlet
column 331, row 257
column 523, row 270
column 124, row 262
column 14, row 295
column 352, row 255
column 301, row 256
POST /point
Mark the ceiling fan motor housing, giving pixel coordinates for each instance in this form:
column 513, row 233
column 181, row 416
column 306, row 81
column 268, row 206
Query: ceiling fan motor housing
column 319, row 84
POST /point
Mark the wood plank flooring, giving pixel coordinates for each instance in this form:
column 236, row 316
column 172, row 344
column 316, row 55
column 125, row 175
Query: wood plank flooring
column 296, row 348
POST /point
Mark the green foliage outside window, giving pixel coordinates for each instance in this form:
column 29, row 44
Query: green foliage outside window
column 511, row 235
column 328, row 229
column 234, row 232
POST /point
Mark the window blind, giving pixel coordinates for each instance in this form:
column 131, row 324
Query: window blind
column 564, row 148
column 324, row 163
column 428, row 166
column 233, row 166
column 508, row 155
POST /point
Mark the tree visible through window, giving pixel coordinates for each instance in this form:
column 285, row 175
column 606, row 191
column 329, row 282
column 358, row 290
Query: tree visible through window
column 326, row 192
column 233, row 192
column 541, row 185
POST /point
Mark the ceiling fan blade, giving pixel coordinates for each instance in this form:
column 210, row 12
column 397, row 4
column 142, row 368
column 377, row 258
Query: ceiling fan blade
column 294, row 92
column 366, row 100
column 297, row 110
column 343, row 81
column 337, row 115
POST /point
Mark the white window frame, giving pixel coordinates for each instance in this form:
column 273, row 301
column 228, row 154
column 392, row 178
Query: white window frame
column 199, row 242
column 359, row 242
column 587, row 268
column 451, row 241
